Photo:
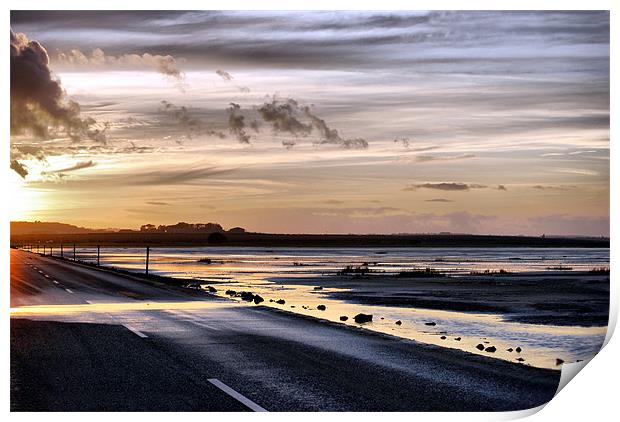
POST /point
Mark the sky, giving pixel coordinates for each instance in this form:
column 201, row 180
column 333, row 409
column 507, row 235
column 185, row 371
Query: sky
column 313, row 122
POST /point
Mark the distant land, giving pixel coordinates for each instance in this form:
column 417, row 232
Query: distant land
column 205, row 234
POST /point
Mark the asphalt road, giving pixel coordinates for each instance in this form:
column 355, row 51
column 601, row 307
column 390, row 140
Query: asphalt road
column 84, row 339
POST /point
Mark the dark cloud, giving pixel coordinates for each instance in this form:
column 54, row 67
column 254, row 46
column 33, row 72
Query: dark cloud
column 19, row 168
column 286, row 116
column 224, row 75
column 38, row 102
column 236, row 123
column 189, row 124
column 447, row 186
column 283, row 117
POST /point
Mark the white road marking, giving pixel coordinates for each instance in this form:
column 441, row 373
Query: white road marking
column 55, row 282
column 40, row 272
column 201, row 324
column 47, row 276
column 238, row 396
column 87, row 301
column 69, row 290
column 136, row 332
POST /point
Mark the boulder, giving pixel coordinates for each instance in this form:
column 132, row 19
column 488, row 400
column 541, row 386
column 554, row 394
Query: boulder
column 211, row 289
column 321, row 307
column 518, row 350
column 490, row 349
column 362, row 318
column 443, row 337
column 520, row 359
column 231, row 292
column 509, row 349
column 457, row 339
column 318, row 288
column 399, row 322
column 430, row 324
column 258, row 299
column 344, row 318
column 247, row 296
column 280, row 301
column 480, row 347
column 559, row 361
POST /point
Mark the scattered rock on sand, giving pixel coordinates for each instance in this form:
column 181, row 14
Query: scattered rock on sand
column 248, row 296
column 490, row 349
column 509, row 349
column 443, row 337
column 430, row 324
column 231, row 292
column 318, row 288
column 520, row 359
column 518, row 350
column 480, row 346
column 559, row 361
column 457, row 339
column 321, row 307
column 362, row 318
column 280, row 301
column 258, row 299
column 211, row 289
column 399, row 322
column 344, row 318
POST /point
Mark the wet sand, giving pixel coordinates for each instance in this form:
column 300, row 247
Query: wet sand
column 552, row 297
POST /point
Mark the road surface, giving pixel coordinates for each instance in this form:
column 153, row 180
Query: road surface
column 91, row 340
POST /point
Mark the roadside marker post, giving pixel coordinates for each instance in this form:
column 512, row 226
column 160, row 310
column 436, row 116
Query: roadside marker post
column 147, row 260
column 97, row 255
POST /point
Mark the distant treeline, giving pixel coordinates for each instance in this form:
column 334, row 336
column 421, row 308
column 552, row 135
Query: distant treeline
column 239, row 238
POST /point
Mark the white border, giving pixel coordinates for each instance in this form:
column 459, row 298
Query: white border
column 592, row 396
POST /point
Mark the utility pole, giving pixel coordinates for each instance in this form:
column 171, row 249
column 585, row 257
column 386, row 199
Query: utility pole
column 74, row 251
column 61, row 254
column 97, row 255
column 43, row 249
column 147, row 260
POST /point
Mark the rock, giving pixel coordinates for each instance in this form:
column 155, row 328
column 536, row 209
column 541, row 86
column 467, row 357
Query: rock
column 520, row 359
column 270, row 300
column 490, row 349
column 247, row 296
column 443, row 337
column 457, row 339
column 485, row 342
column 430, row 324
column 382, row 318
column 258, row 299
column 318, row 288
column 509, row 349
column 321, row 307
column 292, row 306
column 518, row 350
column 480, row 346
column 280, row 301
column 362, row 318
column 344, row 318
column 211, row 289
column 399, row 322
column 559, row 361
column 231, row 292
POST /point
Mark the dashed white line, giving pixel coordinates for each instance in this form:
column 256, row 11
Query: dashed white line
column 88, row 301
column 69, row 290
column 136, row 332
column 54, row 281
column 238, row 396
column 201, row 324
column 46, row 276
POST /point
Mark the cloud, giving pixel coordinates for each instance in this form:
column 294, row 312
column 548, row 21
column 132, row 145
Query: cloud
column 446, row 186
column 554, row 187
column 427, row 158
column 184, row 120
column 79, row 166
column 19, row 168
column 236, row 123
column 166, row 65
column 285, row 116
column 282, row 115
column 38, row 102
column 224, row 75
column 439, row 200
